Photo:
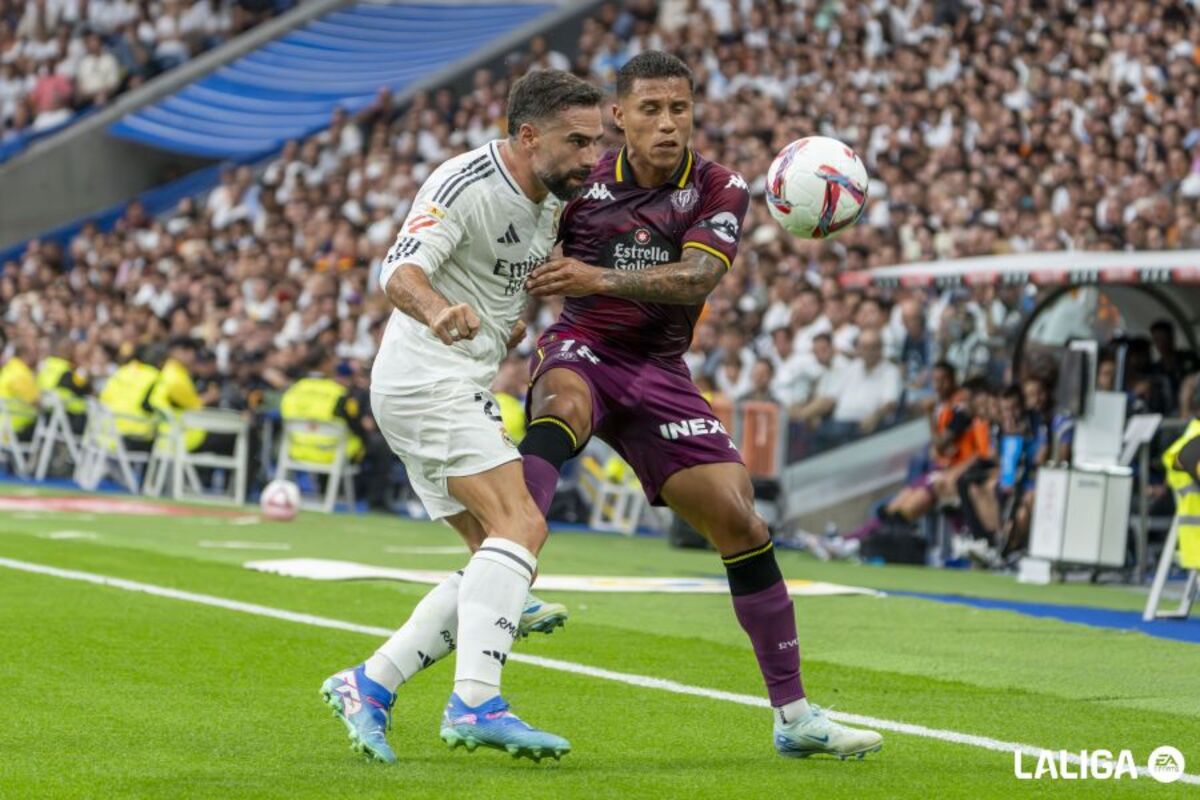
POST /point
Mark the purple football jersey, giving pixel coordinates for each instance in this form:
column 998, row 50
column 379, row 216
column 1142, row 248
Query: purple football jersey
column 619, row 225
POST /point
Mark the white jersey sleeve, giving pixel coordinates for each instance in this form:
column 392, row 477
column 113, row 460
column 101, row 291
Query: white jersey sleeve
column 431, row 232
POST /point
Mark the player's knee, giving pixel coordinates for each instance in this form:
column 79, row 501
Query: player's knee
column 522, row 523
column 743, row 529
column 572, row 408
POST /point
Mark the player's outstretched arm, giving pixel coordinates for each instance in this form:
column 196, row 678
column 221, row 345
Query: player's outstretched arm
column 410, row 291
column 685, row 282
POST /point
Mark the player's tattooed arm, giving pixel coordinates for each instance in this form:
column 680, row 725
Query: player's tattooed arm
column 410, row 291
column 684, row 282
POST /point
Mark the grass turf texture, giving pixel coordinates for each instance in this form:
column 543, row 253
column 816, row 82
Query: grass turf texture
column 125, row 695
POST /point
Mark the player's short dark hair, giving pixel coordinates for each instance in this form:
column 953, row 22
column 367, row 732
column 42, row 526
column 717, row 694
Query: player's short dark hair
column 946, row 366
column 542, row 93
column 651, row 64
column 823, row 336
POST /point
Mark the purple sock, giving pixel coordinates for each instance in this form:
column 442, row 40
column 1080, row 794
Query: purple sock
column 769, row 619
column 541, row 479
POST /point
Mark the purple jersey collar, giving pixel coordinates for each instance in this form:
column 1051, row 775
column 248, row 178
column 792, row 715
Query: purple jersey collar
column 680, row 177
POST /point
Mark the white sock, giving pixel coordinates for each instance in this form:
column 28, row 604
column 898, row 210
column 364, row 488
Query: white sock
column 797, row 709
column 427, row 636
column 490, row 600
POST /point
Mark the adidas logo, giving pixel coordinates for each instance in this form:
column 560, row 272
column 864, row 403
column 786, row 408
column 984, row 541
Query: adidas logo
column 426, row 661
column 598, row 192
column 501, row 657
column 510, row 236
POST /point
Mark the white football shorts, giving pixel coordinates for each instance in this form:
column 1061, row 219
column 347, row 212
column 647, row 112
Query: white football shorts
column 449, row 433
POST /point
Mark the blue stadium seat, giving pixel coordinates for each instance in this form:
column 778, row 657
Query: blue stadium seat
column 288, row 88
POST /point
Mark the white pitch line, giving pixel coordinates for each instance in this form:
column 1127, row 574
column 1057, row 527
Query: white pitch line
column 236, row 545
column 68, row 535
column 630, row 679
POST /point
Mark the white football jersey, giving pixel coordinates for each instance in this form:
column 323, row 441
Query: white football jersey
column 477, row 236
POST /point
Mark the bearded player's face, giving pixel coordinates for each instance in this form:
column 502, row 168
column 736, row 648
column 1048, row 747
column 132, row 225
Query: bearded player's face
column 656, row 116
column 566, row 149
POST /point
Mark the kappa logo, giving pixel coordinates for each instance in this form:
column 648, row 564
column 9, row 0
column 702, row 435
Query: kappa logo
column 737, row 182
column 598, row 191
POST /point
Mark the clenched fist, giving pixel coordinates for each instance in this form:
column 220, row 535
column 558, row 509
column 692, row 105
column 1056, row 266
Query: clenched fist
column 454, row 323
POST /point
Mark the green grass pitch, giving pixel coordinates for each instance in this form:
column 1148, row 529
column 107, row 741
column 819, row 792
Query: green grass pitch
column 114, row 694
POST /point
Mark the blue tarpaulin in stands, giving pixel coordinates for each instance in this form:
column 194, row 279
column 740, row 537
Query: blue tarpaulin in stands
column 288, row 88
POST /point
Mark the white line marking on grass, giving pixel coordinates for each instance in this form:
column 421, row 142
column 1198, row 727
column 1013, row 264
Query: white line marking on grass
column 630, row 679
column 235, row 545
column 69, row 535
column 248, row 520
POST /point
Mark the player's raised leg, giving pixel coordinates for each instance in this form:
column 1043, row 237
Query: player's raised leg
column 363, row 696
column 491, row 597
column 429, row 633
column 718, row 500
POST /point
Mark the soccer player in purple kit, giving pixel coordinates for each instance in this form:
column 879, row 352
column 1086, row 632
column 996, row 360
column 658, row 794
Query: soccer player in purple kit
column 643, row 246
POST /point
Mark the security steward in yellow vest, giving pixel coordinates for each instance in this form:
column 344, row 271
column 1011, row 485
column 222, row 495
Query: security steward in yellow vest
column 127, row 393
column 321, row 398
column 18, row 388
column 174, row 392
column 1182, row 461
column 73, row 386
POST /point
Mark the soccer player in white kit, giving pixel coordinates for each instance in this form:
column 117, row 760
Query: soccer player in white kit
column 456, row 276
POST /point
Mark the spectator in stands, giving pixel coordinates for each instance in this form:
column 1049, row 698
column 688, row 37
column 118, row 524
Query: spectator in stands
column 916, row 351
column 839, row 312
column 857, row 398
column 793, row 373
column 759, row 386
column 98, row 74
column 1170, row 362
column 1053, row 430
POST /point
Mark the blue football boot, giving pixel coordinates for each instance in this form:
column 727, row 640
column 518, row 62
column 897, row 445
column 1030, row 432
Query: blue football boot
column 365, row 708
column 493, row 725
column 541, row 617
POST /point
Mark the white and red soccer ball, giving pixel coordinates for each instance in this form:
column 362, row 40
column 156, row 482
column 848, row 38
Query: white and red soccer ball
column 816, row 187
column 280, row 500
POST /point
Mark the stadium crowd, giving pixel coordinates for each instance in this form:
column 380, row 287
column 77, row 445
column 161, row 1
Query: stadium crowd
column 987, row 128
column 59, row 57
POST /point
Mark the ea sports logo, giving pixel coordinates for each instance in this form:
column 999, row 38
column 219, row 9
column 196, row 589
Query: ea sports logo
column 1165, row 764
column 641, row 236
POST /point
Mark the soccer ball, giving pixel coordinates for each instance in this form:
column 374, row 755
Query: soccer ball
column 280, row 501
column 816, row 187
